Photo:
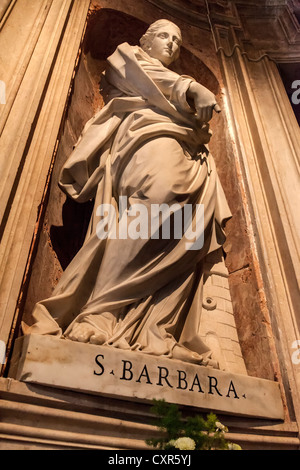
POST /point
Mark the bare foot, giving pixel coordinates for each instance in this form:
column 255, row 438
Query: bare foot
column 98, row 338
column 85, row 333
column 81, row 332
column 183, row 354
column 209, row 361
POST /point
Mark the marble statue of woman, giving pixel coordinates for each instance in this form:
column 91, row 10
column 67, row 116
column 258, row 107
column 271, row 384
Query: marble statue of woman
column 146, row 146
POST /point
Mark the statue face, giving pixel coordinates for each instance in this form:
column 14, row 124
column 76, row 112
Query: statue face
column 165, row 45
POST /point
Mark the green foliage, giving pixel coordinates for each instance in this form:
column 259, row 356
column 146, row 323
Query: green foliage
column 192, row 433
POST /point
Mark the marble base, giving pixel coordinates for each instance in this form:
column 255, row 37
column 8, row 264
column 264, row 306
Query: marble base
column 101, row 370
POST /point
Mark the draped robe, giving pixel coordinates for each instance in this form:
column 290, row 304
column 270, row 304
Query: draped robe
column 145, row 144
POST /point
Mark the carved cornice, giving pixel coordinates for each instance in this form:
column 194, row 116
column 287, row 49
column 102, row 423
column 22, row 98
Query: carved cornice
column 194, row 12
column 187, row 11
column 254, row 20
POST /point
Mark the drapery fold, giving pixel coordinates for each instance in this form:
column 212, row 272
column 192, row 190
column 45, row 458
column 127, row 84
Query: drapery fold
column 146, row 147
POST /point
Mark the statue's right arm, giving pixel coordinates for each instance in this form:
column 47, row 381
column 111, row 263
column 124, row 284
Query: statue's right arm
column 203, row 101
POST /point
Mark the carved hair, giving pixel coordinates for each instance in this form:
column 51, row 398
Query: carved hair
column 147, row 38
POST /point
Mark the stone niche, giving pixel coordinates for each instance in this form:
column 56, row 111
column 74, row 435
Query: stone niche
column 65, row 222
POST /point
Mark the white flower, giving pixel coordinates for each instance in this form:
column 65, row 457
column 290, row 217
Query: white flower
column 220, row 427
column 185, row 443
column 232, row 446
column 172, row 442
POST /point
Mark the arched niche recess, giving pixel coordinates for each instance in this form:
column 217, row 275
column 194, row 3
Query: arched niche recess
column 65, row 222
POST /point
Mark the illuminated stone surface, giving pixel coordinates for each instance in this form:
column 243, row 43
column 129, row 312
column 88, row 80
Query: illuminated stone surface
column 135, row 376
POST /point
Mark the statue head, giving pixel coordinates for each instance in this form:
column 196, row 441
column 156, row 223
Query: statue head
column 162, row 41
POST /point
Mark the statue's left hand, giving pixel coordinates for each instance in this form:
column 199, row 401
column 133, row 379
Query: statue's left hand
column 203, row 100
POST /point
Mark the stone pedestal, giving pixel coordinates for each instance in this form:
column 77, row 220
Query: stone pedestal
column 127, row 375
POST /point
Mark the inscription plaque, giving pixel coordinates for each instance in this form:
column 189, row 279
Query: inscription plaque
column 113, row 372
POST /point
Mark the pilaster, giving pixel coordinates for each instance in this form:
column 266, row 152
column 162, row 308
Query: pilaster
column 265, row 136
column 38, row 82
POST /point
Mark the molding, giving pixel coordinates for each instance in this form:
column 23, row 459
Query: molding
column 261, row 138
column 191, row 15
column 18, row 123
column 29, row 415
column 236, row 13
column 5, row 9
column 222, row 13
column 19, row 53
column 58, row 52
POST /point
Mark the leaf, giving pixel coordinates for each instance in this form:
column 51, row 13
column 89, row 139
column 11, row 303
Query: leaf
column 203, row 431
